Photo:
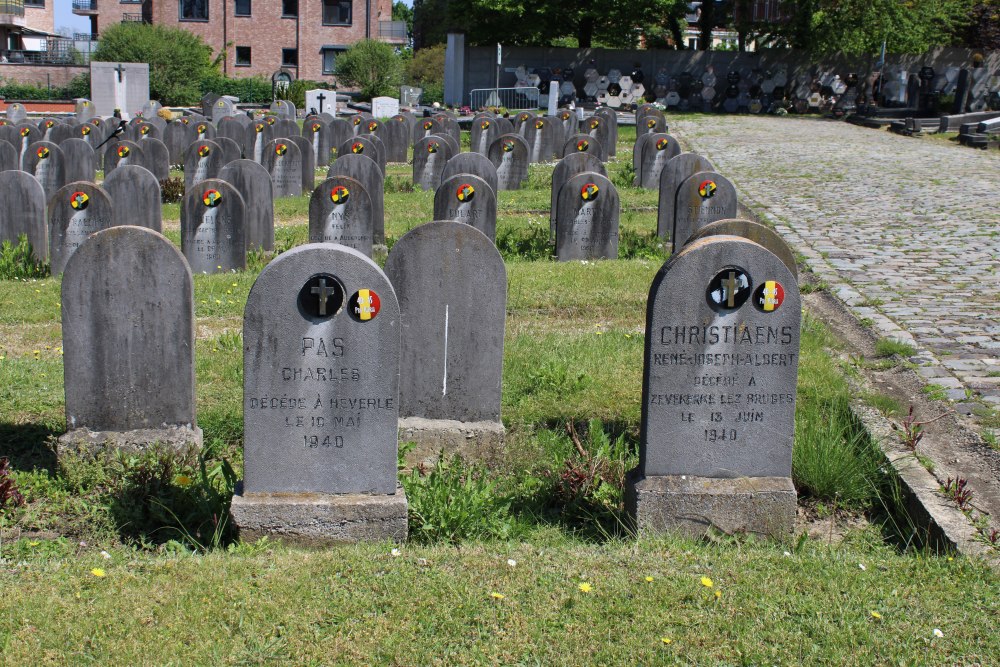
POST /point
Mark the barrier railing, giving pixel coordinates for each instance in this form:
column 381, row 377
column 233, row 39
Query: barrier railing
column 526, row 97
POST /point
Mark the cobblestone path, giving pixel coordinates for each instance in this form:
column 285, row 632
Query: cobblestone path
column 905, row 231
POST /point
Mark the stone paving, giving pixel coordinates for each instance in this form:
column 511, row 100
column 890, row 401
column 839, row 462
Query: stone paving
column 905, row 231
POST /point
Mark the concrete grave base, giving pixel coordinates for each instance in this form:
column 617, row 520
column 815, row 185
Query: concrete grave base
column 690, row 506
column 478, row 441
column 317, row 519
column 83, row 441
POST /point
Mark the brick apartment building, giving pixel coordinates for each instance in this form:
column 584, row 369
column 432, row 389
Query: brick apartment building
column 302, row 37
column 25, row 26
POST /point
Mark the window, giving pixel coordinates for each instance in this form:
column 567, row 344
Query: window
column 330, row 58
column 34, row 3
column 289, row 57
column 289, row 8
column 194, row 10
column 243, row 56
column 336, row 12
column 242, row 7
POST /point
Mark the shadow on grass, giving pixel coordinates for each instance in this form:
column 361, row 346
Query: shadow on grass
column 27, row 446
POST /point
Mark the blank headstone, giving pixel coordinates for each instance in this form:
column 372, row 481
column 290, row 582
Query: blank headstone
column 468, row 199
column 230, row 149
column 76, row 211
column 254, row 184
column 8, row 157
column 321, row 336
column 79, row 160
column 674, row 173
column 430, row 154
column 396, row 137
column 340, row 211
column 587, row 210
column 718, row 411
column 135, row 197
column 340, row 131
column 365, row 171
column 509, row 154
column 22, row 211
column 156, row 157
column 703, row 197
column 128, row 342
column 213, row 227
column 236, row 131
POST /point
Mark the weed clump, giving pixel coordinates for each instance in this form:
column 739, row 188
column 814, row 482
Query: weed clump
column 18, row 262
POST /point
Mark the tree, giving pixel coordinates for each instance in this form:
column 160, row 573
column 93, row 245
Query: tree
column 404, row 13
column 426, row 70
column 983, row 30
column 372, row 67
column 178, row 59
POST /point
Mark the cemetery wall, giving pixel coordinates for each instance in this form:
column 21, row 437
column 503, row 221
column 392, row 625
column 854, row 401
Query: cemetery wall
column 56, row 76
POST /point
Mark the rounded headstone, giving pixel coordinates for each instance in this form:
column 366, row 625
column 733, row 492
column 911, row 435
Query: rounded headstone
column 135, row 197
column 467, row 199
column 213, row 227
column 340, row 211
column 76, row 211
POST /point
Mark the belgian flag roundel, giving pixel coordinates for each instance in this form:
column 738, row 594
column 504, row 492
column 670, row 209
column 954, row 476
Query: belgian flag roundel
column 769, row 296
column 364, row 305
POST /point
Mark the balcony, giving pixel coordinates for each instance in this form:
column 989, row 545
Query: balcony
column 134, row 18
column 393, row 32
column 12, row 13
column 85, row 7
column 59, row 51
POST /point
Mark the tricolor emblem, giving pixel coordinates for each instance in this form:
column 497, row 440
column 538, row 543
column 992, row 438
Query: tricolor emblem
column 539, row 124
column 661, row 144
column 485, row 125
column 123, row 151
column 357, row 147
column 49, row 124
column 280, row 149
column 78, row 200
column 201, row 129
column 43, row 153
column 589, row 192
column 316, row 127
column 428, row 124
column 357, row 120
column 204, row 151
column 465, row 192
column 212, row 198
column 364, row 305
column 271, row 120
column 259, row 127
column 769, row 296
column 432, row 147
column 507, row 145
column 650, row 122
column 144, row 129
column 339, row 194
column 84, row 130
column 582, row 145
column 372, row 126
column 707, row 189
column 25, row 131
column 594, row 123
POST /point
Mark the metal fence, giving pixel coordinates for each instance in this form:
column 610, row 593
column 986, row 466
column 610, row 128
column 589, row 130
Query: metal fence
column 12, row 7
column 526, row 97
column 392, row 30
column 85, row 5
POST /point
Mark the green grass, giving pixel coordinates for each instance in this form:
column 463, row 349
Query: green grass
column 887, row 347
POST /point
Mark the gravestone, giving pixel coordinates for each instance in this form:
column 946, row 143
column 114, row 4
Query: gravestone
column 587, row 210
column 16, row 113
column 396, row 137
column 598, row 128
column 454, row 146
column 539, row 135
column 135, row 197
column 357, row 122
column 370, row 145
column 317, row 133
column 255, row 187
column 340, row 211
column 258, row 135
column 122, row 152
column 426, row 127
column 611, row 120
column 128, row 386
column 230, row 149
column 365, row 171
column 283, row 161
column 84, row 109
column 121, row 87
column 509, row 154
column 323, row 101
column 284, row 109
column 321, row 401
column 584, row 143
column 703, row 197
column 76, row 211
column 60, row 133
column 570, row 123
column 471, row 163
column 8, row 157
column 307, row 161
column 450, row 128
column 156, row 157
column 718, row 411
column 234, row 130
column 47, row 125
column 285, row 128
column 385, row 107
column 430, row 154
column 203, row 160
column 566, row 168
column 674, row 173
column 657, row 150
column 340, row 131
column 484, row 132
column 46, row 162
column 222, row 108
column 203, row 129
column 468, row 199
column 22, row 211
column 213, row 227
column 139, row 130
column 28, row 134
column 177, row 136
column 452, row 289
column 760, row 234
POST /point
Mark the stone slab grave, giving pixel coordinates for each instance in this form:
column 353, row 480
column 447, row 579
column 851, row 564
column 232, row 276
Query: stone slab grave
column 284, row 109
column 509, row 154
column 286, row 128
column 202, row 160
column 754, row 231
column 317, row 133
column 8, row 157
column 540, row 135
column 358, row 121
column 430, row 154
column 657, row 148
column 471, row 163
column 452, row 288
column 27, row 135
column 364, row 170
column 340, row 211
column 453, row 144
column 610, row 120
column 231, row 150
column 121, row 86
column 213, row 227
column 584, row 143
column 76, row 211
column 340, row 131
column 675, row 172
column 451, row 128
column 372, row 141
column 16, row 113
column 156, row 157
column 46, row 162
column 484, row 132
column 234, row 130
column 84, row 109
column 140, row 129
column 47, row 125
column 128, row 386
column 257, row 136
column 569, row 166
column 719, row 382
column 703, row 197
column 587, row 211
column 468, row 199
column 79, row 160
column 135, row 197
column 396, row 137
column 283, row 161
column 222, row 107
column 323, row 101
column 254, row 184
column 58, row 134
column 385, row 107
column 22, row 211
column 425, row 127
column 120, row 153
column 321, row 401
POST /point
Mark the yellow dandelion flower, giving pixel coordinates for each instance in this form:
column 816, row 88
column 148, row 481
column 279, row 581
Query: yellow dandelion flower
column 875, row 614
column 706, row 582
column 718, row 594
column 183, row 480
column 585, row 587
column 666, row 640
column 497, row 596
column 98, row 572
column 33, row 543
column 649, row 580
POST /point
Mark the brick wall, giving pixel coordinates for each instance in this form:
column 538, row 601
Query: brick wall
column 56, row 76
column 40, row 18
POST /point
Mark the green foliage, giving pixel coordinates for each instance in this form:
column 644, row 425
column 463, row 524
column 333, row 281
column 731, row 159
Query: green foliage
column 457, row 501
column 372, row 67
column 251, row 89
column 18, row 262
column 426, row 70
column 172, row 190
column 403, row 12
column 887, row 347
column 296, row 92
column 178, row 59
column 79, row 86
column 528, row 244
column 9, row 495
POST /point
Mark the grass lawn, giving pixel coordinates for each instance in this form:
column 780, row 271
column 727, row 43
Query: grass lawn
column 524, row 561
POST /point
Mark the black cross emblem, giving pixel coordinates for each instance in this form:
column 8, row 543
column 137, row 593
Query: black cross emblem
column 121, row 72
column 321, row 297
column 324, row 293
column 321, row 97
column 729, row 289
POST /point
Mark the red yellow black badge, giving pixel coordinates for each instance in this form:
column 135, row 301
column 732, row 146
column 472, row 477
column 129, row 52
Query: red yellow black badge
column 465, row 192
column 316, row 127
column 364, row 305
column 372, row 126
column 707, row 189
column 280, row 149
column 43, row 153
column 769, row 296
column 507, row 145
column 339, row 194
column 212, row 198
column 661, row 144
column 432, row 147
column 204, row 151
column 25, row 131
column 259, row 127
column 589, row 192
column 485, row 125
column 582, row 145
column 357, row 147
column 539, row 124
column 123, row 151
column 79, row 200
column 84, row 130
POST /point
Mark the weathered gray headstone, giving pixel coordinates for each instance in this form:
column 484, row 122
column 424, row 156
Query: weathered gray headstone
column 471, row 163
column 222, row 108
column 365, row 144
column 283, row 161
column 340, row 131
column 321, row 401
column 566, row 168
column 584, row 143
column 340, row 211
column 203, row 159
column 254, row 184
column 452, row 288
column 46, row 125
column 754, row 231
column 509, row 154
column 60, row 133
column 84, row 109
column 570, row 123
column 484, row 132
column 156, row 157
column 286, row 128
column 358, row 121
column 79, row 160
column 135, row 197
column 598, row 127
column 230, row 149
column 236, row 131
column 426, row 127
column 8, row 157
column 587, row 210
column 284, row 108
column 365, row 171
column 396, row 137
column 141, row 129
column 121, row 152
column 657, row 149
column 317, row 133
column 128, row 344
column 76, row 211
column 450, row 128
column 540, row 135
column 16, row 113
column 611, row 120
column 22, row 211
column 468, row 199
column 718, row 411
column 308, row 163
column 430, row 154
column 177, row 136
column 703, row 197
column 674, row 173
column 46, row 162
column 258, row 136
column 213, row 227
column 28, row 135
